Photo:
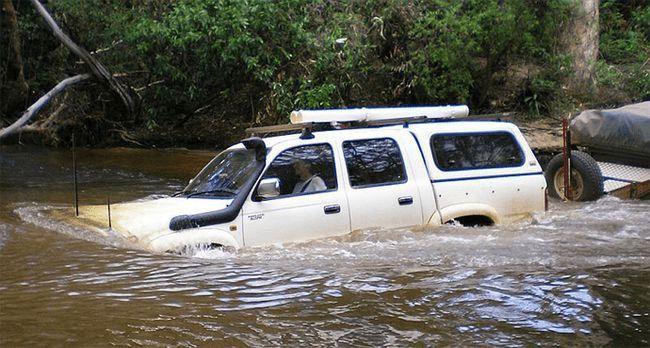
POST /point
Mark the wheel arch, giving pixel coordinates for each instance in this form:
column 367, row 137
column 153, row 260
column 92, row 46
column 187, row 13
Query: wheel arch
column 457, row 211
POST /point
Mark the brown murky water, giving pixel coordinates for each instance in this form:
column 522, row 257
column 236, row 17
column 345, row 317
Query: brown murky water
column 577, row 275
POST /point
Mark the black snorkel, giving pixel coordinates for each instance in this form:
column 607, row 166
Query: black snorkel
column 229, row 213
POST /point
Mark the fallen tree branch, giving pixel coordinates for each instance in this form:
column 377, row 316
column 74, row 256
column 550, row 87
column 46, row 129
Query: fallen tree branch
column 53, row 115
column 104, row 49
column 125, row 136
column 140, row 89
column 129, row 73
column 95, row 65
column 41, row 102
column 195, row 112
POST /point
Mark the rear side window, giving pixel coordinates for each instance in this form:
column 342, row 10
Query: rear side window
column 374, row 162
column 476, row 151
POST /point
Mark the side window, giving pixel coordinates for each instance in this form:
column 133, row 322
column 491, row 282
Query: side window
column 304, row 169
column 374, row 162
column 476, row 151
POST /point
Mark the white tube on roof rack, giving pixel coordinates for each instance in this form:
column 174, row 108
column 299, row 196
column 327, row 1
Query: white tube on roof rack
column 376, row 114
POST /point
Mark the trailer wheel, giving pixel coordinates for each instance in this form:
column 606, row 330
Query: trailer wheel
column 586, row 178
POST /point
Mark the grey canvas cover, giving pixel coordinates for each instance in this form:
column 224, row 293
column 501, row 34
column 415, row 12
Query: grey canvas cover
column 624, row 131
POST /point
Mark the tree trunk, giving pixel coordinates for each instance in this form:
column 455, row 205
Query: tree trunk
column 13, row 87
column 581, row 43
column 98, row 69
column 41, row 102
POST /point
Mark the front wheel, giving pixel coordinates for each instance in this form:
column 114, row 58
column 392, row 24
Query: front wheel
column 586, row 178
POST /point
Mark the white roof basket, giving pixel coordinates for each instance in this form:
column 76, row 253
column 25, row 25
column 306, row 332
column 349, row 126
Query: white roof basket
column 377, row 114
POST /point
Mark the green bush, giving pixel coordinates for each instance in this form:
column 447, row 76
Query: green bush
column 625, row 48
column 242, row 62
column 292, row 54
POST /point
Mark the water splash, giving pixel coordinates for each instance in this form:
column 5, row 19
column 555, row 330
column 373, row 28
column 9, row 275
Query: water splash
column 576, row 275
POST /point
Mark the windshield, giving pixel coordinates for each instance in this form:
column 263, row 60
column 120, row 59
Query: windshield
column 224, row 175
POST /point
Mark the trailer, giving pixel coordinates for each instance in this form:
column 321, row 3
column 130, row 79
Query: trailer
column 625, row 181
column 605, row 152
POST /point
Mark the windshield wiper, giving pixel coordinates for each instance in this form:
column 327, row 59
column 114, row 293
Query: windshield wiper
column 219, row 190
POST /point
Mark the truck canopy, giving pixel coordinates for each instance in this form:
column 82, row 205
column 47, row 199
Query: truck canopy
column 619, row 135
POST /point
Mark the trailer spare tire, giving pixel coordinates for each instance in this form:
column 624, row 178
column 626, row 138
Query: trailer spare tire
column 586, row 178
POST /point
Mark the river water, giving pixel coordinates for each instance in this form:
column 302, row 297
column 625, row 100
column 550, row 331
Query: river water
column 576, row 275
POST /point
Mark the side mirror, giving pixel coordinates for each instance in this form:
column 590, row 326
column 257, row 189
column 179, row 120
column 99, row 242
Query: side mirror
column 269, row 188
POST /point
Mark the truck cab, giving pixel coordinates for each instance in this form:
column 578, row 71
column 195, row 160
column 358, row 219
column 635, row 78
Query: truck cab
column 372, row 178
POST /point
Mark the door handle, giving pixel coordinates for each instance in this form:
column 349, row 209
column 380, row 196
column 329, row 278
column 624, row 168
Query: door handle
column 332, row 209
column 406, row 200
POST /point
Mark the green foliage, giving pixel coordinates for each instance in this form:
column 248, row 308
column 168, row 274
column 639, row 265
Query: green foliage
column 293, row 54
column 211, row 50
column 243, row 61
column 442, row 50
column 458, row 48
column 625, row 48
column 624, row 35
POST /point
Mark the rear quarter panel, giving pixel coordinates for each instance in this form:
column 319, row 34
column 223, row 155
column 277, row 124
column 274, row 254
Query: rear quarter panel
column 503, row 194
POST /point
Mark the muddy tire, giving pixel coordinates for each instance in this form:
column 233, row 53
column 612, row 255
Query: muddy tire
column 586, row 178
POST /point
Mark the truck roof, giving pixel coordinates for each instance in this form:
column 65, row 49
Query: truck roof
column 445, row 127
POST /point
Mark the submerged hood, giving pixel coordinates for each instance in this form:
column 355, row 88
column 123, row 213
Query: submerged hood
column 142, row 221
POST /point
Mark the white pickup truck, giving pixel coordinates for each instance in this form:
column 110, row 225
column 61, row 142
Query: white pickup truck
column 343, row 170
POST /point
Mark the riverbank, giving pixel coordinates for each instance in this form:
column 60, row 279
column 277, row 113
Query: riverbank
column 542, row 134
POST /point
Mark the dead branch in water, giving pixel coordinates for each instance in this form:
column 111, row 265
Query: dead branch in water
column 98, row 69
column 126, row 137
column 41, row 102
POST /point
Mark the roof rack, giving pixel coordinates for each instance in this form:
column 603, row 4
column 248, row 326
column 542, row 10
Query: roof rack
column 308, row 127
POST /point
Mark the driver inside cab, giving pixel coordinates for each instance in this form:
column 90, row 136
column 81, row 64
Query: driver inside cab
column 308, row 182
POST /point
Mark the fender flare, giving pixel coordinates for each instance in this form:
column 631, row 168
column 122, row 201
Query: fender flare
column 464, row 209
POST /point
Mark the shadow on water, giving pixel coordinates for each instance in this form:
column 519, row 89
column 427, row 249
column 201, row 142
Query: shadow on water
column 576, row 275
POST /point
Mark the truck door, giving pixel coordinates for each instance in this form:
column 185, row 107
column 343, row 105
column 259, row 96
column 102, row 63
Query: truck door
column 311, row 203
column 381, row 188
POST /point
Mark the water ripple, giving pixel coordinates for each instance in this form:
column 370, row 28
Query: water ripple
column 577, row 275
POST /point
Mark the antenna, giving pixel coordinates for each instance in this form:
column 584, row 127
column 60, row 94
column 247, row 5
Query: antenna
column 306, row 133
column 74, row 180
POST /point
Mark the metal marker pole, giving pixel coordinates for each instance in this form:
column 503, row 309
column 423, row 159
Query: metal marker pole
column 108, row 203
column 74, row 170
column 565, row 157
column 569, row 192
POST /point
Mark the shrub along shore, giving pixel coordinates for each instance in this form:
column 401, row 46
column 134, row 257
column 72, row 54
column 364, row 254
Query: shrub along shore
column 204, row 70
